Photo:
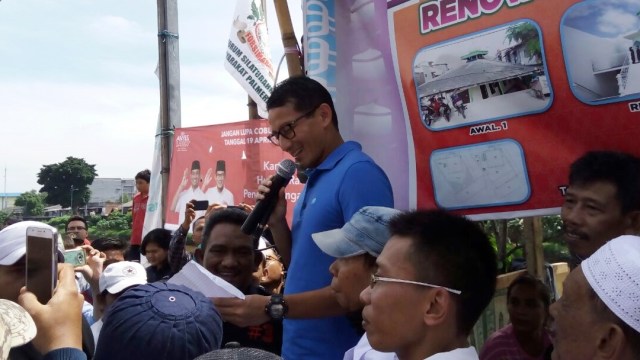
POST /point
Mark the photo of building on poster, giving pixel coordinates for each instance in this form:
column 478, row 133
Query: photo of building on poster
column 494, row 74
column 612, row 73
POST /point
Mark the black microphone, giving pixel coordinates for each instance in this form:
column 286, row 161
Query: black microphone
column 258, row 218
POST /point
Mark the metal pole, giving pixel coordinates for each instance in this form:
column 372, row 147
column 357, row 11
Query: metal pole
column 169, row 74
column 4, row 196
column 71, row 203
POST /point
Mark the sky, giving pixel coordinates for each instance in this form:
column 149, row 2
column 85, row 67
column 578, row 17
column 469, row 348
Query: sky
column 609, row 19
column 77, row 79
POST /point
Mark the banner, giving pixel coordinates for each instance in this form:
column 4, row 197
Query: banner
column 223, row 164
column 248, row 57
column 153, row 214
column 495, row 98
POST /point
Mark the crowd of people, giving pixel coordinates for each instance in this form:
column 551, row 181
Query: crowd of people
column 351, row 278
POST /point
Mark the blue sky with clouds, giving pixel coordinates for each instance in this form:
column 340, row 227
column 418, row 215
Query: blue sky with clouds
column 78, row 80
column 609, row 19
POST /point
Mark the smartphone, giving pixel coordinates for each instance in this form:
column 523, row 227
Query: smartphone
column 75, row 257
column 200, row 205
column 41, row 263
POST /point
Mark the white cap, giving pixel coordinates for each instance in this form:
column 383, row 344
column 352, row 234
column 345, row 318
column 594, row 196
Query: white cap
column 121, row 275
column 613, row 272
column 16, row 326
column 13, row 240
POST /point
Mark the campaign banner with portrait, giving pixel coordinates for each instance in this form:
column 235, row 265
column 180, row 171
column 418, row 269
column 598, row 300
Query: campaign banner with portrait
column 223, row 164
column 492, row 99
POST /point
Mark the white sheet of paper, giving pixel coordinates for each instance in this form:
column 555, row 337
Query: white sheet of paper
column 197, row 278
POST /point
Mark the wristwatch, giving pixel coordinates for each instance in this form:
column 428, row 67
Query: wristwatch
column 277, row 307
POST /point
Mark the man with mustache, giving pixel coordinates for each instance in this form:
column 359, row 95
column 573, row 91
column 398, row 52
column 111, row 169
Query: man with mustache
column 601, row 202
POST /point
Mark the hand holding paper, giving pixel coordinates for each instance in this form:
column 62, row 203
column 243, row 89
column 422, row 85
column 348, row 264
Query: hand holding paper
column 197, row 278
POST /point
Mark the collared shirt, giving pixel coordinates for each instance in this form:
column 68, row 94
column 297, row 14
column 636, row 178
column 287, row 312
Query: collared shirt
column 220, row 197
column 342, row 184
column 364, row 351
column 457, row 354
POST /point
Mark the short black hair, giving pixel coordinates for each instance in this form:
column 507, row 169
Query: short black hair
column 304, row 94
column 451, row 251
column 542, row 290
column 144, row 175
column 159, row 236
column 106, row 244
column 193, row 226
column 620, row 169
column 76, row 218
column 226, row 216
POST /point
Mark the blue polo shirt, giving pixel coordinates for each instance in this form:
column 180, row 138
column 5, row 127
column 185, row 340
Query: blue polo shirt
column 342, row 184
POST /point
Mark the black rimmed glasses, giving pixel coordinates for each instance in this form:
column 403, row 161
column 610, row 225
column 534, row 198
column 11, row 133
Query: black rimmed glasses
column 287, row 131
column 375, row 279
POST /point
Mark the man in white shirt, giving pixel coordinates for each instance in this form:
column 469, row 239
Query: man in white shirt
column 218, row 194
column 189, row 189
column 434, row 277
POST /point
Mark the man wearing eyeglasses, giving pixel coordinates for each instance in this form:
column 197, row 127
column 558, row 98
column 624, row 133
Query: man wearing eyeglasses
column 77, row 227
column 435, row 276
column 342, row 180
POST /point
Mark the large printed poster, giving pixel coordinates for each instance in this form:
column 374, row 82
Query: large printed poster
column 500, row 96
column 223, row 164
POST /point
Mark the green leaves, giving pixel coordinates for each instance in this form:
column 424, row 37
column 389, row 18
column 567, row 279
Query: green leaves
column 527, row 34
column 32, row 202
column 67, row 181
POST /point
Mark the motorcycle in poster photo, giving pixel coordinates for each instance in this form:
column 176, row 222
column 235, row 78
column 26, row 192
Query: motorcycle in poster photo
column 433, row 108
column 458, row 104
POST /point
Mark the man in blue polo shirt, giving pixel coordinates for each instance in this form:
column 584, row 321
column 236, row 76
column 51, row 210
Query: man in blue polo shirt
column 342, row 180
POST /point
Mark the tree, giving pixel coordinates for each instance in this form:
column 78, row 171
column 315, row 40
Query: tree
column 67, row 180
column 527, row 34
column 32, row 203
column 4, row 218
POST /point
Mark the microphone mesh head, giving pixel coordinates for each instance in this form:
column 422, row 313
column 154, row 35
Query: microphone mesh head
column 286, row 168
column 239, row 354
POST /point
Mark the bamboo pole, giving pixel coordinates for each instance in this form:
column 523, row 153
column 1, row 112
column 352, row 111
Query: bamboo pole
column 253, row 109
column 533, row 246
column 289, row 40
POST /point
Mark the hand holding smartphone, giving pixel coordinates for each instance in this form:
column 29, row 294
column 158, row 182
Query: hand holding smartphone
column 41, row 263
column 200, row 205
column 76, row 257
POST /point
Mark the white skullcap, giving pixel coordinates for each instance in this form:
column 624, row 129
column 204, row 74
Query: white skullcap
column 614, row 274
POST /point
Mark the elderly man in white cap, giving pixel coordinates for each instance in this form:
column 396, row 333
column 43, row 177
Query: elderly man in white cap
column 598, row 316
column 114, row 281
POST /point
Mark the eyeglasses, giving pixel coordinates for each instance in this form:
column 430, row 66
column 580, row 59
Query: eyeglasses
column 375, row 279
column 287, row 131
column 76, row 228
